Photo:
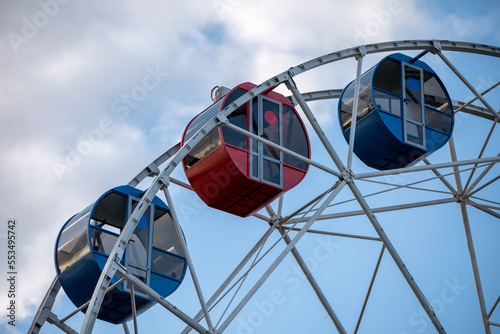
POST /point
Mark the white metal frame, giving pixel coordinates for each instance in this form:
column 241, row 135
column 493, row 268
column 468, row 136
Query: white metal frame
column 304, row 217
column 404, row 110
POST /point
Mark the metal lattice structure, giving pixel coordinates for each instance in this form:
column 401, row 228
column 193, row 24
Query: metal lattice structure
column 464, row 192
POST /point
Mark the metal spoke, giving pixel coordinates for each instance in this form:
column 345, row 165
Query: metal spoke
column 441, row 177
column 280, row 258
column 466, row 188
column 310, row 278
column 369, row 289
column 354, row 111
column 470, row 243
column 187, row 255
column 469, row 85
column 484, row 185
column 354, row 236
column 378, row 210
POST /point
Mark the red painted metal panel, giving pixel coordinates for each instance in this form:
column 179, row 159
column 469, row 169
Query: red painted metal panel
column 222, row 180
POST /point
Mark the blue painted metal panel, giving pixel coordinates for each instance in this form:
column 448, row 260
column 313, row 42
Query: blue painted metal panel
column 383, row 120
column 80, row 256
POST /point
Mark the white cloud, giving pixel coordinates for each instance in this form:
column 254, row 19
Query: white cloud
column 64, row 81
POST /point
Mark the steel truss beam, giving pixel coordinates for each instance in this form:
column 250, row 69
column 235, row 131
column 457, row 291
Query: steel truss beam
column 338, row 187
column 307, row 273
column 45, row 308
column 430, row 45
column 121, row 271
column 177, row 153
column 470, row 242
column 230, row 278
column 369, row 289
column 347, row 177
column 376, row 210
column 335, row 234
column 429, row 167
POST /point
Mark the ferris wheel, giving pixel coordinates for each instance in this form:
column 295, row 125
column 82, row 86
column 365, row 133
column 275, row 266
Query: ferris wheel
column 252, row 147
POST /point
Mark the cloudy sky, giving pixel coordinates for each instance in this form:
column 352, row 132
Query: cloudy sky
column 91, row 92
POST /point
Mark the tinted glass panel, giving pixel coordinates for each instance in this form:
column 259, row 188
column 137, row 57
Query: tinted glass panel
column 413, row 94
column 238, row 118
column 168, row 264
column 111, row 210
column 209, row 143
column 202, row 119
column 387, row 102
column 255, row 166
column 365, row 103
column 254, row 128
column 435, row 95
column 102, row 241
column 271, row 171
column 164, row 233
column 437, row 120
column 138, row 244
column 388, row 77
column 294, row 138
column 73, row 243
column 233, row 97
column 414, row 133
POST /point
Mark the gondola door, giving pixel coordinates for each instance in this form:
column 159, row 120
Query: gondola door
column 266, row 162
column 413, row 96
column 138, row 251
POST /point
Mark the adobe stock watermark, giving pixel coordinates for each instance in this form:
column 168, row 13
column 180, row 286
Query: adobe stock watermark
column 419, row 321
column 381, row 19
column 293, row 278
column 226, row 7
column 31, row 26
column 190, row 209
column 121, row 107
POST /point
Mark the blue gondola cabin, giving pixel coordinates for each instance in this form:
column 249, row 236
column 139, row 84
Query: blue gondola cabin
column 235, row 174
column 153, row 253
column 404, row 113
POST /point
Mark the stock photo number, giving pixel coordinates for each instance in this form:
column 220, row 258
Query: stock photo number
column 11, row 271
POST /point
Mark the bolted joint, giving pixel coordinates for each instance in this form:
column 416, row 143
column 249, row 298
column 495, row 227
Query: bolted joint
column 276, row 220
column 153, row 169
column 347, row 176
column 222, row 118
column 436, row 47
column 461, row 198
column 165, row 179
column 362, row 52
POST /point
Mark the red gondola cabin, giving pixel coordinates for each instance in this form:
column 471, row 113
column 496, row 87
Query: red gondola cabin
column 239, row 175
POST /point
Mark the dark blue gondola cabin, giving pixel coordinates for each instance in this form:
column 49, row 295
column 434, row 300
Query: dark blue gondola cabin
column 153, row 253
column 404, row 113
column 238, row 175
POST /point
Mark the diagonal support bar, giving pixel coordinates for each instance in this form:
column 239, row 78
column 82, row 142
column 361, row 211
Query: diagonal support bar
column 188, row 258
column 354, row 116
column 231, row 276
column 440, row 176
column 338, row 187
column 475, row 269
column 469, row 85
column 302, row 264
column 470, row 243
column 313, row 283
column 397, row 259
column 281, row 148
column 370, row 287
column 425, row 168
column 314, row 123
column 45, row 307
column 160, row 300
